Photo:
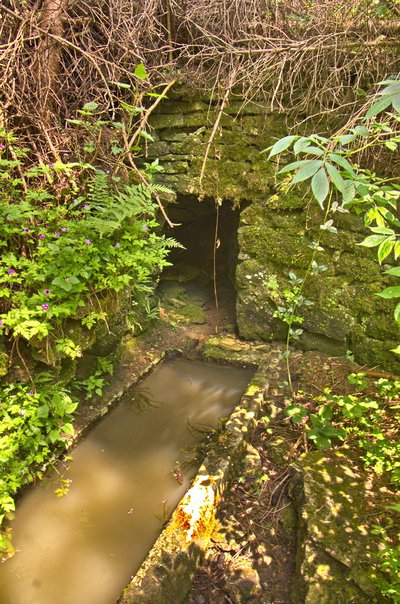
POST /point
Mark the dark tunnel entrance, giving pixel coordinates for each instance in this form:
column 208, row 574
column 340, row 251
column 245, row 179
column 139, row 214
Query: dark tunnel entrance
column 206, row 267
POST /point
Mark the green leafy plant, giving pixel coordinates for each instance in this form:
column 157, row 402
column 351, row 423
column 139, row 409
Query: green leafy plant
column 370, row 424
column 339, row 184
column 74, row 238
column 68, row 242
column 94, row 384
column 34, row 424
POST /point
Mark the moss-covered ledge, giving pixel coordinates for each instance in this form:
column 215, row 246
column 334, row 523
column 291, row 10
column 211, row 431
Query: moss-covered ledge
column 167, row 572
column 336, row 504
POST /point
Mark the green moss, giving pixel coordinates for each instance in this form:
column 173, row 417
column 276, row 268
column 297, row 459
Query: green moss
column 285, row 248
column 80, row 335
column 381, row 327
column 171, row 290
column 229, row 350
column 234, row 167
column 329, row 291
column 336, row 546
column 180, row 120
column 181, row 106
column 315, row 341
column 4, row 360
column 191, row 313
column 278, row 447
column 291, row 200
column 362, row 269
column 374, row 352
column 235, row 108
column 336, row 325
column 66, row 371
column 276, row 229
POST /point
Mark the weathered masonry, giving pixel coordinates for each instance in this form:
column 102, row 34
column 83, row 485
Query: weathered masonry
column 276, row 231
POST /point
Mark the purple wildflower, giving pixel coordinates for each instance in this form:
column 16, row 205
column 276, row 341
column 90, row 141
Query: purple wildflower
column 22, row 412
column 11, row 271
column 31, row 393
column 45, row 307
column 64, row 229
column 47, row 292
column 63, row 185
column 1, row 323
column 42, row 236
column 86, row 206
column 57, row 233
column 145, row 227
column 2, row 146
column 51, row 165
column 26, row 230
column 117, row 245
column 87, row 241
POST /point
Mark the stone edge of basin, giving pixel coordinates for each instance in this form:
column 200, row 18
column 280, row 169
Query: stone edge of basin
column 166, row 574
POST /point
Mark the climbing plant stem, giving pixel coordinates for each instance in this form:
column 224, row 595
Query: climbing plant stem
column 298, row 294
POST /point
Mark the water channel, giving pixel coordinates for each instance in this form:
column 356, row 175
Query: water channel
column 124, row 479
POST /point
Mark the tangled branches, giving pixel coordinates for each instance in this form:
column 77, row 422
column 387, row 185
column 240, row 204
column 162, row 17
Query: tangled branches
column 55, row 55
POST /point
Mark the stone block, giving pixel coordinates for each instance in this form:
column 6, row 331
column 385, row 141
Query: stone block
column 335, row 546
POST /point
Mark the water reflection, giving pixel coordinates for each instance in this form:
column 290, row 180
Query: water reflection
column 83, row 547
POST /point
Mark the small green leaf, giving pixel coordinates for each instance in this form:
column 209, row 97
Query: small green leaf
column 396, row 102
column 382, row 230
column 140, row 72
column 294, row 165
column 349, row 191
column 312, row 150
column 147, row 136
column 376, row 108
column 345, row 139
column 397, row 313
column 43, row 411
column 68, row 429
column 281, row 145
column 296, row 412
column 393, row 271
column 391, row 90
column 156, row 95
column 336, row 177
column 320, row 186
column 307, row 171
column 372, row 240
column 390, row 292
column 397, row 250
column 75, row 122
column 89, row 107
column 54, row 435
column 342, row 162
column 361, row 131
column 300, row 144
column 385, row 248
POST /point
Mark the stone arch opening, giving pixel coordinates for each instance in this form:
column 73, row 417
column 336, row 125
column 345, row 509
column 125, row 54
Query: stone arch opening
column 206, row 265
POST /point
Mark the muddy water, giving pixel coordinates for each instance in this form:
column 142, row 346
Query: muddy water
column 83, row 547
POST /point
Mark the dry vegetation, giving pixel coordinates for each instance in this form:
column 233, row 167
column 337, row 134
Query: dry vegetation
column 55, row 55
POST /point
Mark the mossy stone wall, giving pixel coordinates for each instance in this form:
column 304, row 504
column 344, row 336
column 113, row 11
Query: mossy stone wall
column 276, row 231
